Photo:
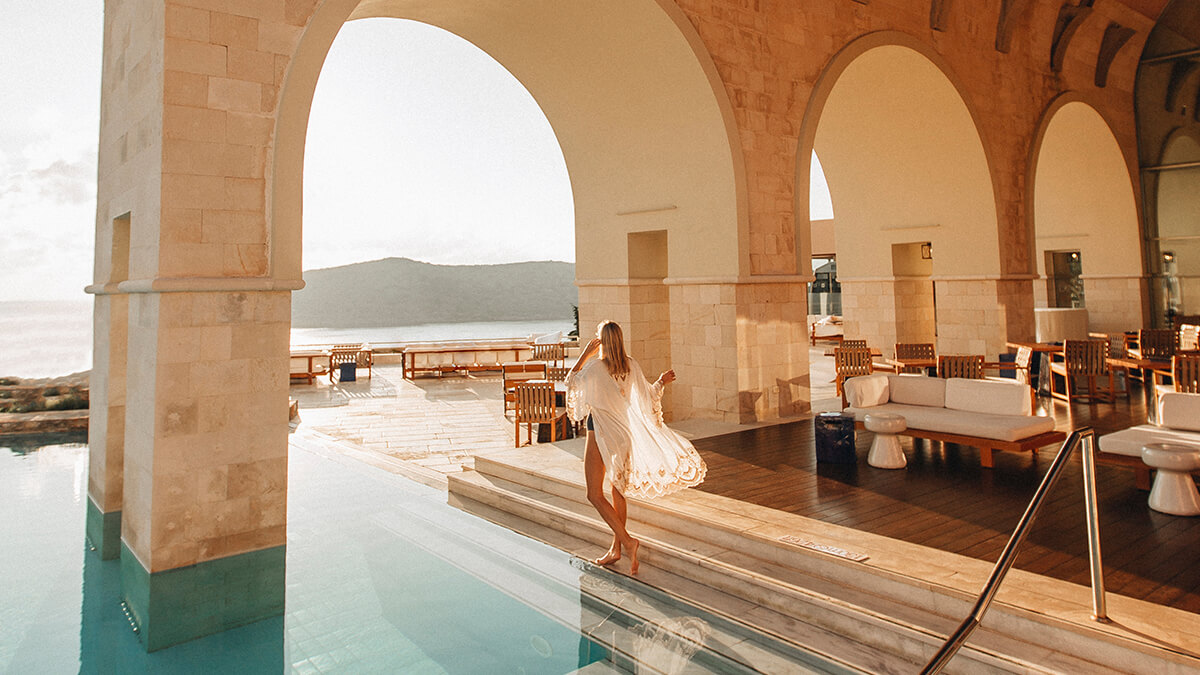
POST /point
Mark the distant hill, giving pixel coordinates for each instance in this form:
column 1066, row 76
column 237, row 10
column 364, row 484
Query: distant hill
column 403, row 292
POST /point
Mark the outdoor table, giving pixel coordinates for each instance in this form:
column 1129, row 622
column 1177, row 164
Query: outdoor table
column 900, row 364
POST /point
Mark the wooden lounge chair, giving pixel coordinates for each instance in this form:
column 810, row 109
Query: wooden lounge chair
column 534, row 404
column 969, row 366
column 1185, row 373
column 1083, row 358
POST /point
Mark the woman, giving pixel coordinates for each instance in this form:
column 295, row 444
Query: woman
column 627, row 440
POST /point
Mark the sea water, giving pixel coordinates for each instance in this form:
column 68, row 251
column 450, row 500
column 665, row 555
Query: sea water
column 51, row 338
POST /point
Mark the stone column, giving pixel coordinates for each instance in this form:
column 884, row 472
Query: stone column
column 740, row 349
column 979, row 315
column 106, row 424
column 869, row 311
column 205, row 475
column 196, row 466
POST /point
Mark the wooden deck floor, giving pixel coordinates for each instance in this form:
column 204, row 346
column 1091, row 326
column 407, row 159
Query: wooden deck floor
column 945, row 500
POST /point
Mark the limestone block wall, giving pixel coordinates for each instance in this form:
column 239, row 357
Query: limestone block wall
column 649, row 332
column 915, row 315
column 869, row 311
column 206, row 452
column 972, row 317
column 1116, row 304
column 704, row 350
column 772, row 351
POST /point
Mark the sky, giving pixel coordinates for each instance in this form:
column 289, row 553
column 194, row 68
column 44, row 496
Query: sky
column 419, row 145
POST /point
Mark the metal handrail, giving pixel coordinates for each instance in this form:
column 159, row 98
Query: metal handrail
column 1086, row 438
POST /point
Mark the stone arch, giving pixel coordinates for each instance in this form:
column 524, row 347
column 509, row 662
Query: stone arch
column 644, row 122
column 906, row 164
column 1082, row 198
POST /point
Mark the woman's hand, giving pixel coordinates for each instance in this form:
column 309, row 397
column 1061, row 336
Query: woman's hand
column 667, row 377
column 592, row 348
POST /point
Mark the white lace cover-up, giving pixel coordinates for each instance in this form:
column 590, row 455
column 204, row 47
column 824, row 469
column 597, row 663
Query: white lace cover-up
column 642, row 456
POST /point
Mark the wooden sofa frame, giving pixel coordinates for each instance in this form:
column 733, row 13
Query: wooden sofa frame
column 986, row 445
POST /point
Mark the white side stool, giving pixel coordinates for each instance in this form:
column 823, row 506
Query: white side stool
column 886, row 452
column 1174, row 491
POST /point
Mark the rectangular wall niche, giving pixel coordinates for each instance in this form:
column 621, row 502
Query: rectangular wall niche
column 1064, row 270
column 648, row 255
column 120, row 250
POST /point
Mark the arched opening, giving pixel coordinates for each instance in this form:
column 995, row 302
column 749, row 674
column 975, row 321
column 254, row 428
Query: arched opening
column 645, row 127
column 910, row 185
column 1177, row 252
column 1087, row 243
column 421, row 145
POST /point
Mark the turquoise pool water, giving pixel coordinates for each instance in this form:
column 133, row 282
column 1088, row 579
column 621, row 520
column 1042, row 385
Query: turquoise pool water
column 382, row 577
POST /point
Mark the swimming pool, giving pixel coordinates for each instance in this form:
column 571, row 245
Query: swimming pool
column 382, row 576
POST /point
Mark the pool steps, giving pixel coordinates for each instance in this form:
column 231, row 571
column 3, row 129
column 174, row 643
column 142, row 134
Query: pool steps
column 897, row 605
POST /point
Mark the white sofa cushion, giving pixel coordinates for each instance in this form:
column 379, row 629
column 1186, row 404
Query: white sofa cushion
column 1130, row 441
column 1178, row 410
column 917, row 390
column 866, row 391
column 982, row 425
column 992, row 397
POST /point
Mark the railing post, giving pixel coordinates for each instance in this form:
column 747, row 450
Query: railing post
column 1086, row 438
column 1088, row 443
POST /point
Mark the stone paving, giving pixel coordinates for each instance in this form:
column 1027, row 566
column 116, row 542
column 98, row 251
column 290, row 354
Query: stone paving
column 439, row 424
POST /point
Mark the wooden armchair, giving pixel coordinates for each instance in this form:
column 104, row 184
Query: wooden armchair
column 512, row 374
column 552, row 354
column 851, row 362
column 1082, row 358
column 534, row 404
column 1189, row 338
column 557, row 374
column 969, row 366
column 853, row 344
column 1185, row 372
column 914, row 350
column 1155, row 343
column 356, row 354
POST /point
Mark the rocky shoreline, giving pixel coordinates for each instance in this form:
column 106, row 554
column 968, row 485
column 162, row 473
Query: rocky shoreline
column 44, row 405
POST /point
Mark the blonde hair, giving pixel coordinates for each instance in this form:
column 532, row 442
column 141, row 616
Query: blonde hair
column 612, row 349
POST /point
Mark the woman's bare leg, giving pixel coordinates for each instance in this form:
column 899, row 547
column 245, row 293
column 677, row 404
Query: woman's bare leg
column 593, row 473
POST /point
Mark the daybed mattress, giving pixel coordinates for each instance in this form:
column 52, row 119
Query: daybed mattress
column 1130, row 441
column 945, row 420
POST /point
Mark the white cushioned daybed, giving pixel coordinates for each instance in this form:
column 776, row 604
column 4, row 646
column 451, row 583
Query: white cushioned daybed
column 987, row 414
column 1178, row 423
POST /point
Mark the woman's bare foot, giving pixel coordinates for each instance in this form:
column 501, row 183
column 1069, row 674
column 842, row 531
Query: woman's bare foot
column 633, row 559
column 613, row 555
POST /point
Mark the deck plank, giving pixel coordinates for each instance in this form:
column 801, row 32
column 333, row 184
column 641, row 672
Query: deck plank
column 944, row 499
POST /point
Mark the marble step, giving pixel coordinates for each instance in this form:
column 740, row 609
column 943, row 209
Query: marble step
column 882, row 644
column 927, row 589
column 764, row 650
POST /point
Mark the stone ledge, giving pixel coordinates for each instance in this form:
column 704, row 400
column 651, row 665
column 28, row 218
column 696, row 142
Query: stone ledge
column 43, row 422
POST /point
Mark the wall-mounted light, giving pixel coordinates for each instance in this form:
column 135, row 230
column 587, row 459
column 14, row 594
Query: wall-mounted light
column 1168, row 257
column 927, row 251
